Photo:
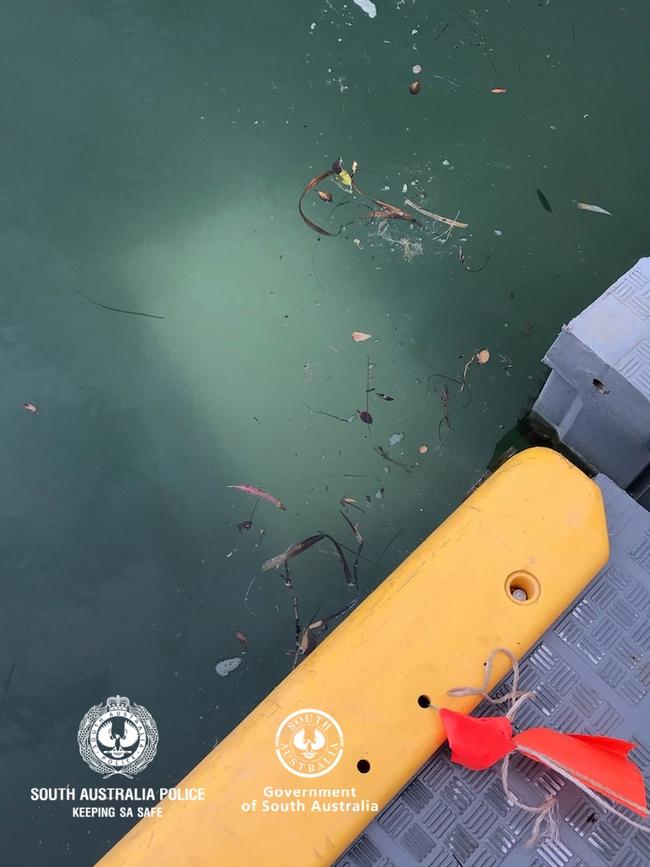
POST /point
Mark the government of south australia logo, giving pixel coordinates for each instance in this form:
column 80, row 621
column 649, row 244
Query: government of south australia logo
column 118, row 737
column 309, row 743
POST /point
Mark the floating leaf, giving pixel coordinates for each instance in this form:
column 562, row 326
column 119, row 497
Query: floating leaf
column 360, row 336
column 254, row 491
column 365, row 416
column 292, row 551
column 544, row 201
column 483, row 356
column 595, row 208
column 227, row 665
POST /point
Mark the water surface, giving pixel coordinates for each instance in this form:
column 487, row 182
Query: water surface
column 152, row 159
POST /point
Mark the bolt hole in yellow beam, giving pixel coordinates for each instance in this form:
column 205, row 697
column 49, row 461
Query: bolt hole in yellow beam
column 496, row 573
column 523, row 588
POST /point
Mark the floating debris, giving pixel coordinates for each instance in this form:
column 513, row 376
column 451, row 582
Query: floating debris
column 350, row 580
column 498, row 90
column 31, row 407
column 415, row 87
column 116, row 309
column 506, row 361
column 595, row 209
column 381, row 451
column 423, row 449
column 368, row 7
column 483, row 356
column 432, row 216
column 360, row 336
column 384, row 396
column 544, row 201
column 387, row 211
column 417, row 69
column 461, row 259
column 336, row 169
column 365, row 416
column 348, row 420
column 395, row 438
column 325, row 196
column 307, row 638
column 254, row 491
column 244, row 525
column 444, row 400
column 292, row 551
column 241, row 638
column 224, row 667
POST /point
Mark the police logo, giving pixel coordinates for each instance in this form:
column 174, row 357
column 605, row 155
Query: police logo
column 118, row 738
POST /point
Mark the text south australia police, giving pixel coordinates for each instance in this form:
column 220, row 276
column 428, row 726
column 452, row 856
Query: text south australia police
column 110, row 793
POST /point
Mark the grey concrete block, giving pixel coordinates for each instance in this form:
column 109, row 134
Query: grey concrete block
column 597, row 397
column 591, row 672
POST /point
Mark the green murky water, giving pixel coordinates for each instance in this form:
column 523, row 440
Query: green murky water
column 152, row 157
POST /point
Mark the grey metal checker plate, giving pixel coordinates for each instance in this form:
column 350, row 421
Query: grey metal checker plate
column 591, row 671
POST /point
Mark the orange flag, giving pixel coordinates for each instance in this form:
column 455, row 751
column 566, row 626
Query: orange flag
column 600, row 763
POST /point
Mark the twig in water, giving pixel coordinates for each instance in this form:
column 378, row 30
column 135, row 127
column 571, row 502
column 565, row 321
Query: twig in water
column 448, row 80
column 359, row 538
column 440, row 32
column 349, row 579
column 116, row 309
column 466, row 370
column 444, row 399
column 308, row 637
column 461, row 259
column 388, row 544
column 250, row 611
column 329, row 414
column 463, row 384
column 449, row 222
column 384, row 454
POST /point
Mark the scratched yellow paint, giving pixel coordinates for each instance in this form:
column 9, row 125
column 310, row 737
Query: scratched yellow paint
column 427, row 628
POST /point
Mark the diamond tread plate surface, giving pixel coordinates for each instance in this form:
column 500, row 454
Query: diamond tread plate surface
column 591, row 672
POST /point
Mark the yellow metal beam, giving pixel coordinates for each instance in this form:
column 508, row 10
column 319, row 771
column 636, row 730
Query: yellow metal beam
column 535, row 531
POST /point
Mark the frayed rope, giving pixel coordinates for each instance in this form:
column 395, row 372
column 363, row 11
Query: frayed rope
column 546, row 827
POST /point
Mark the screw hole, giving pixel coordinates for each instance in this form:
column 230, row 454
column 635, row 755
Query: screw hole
column 363, row 766
column 600, row 386
column 523, row 588
column 424, row 701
